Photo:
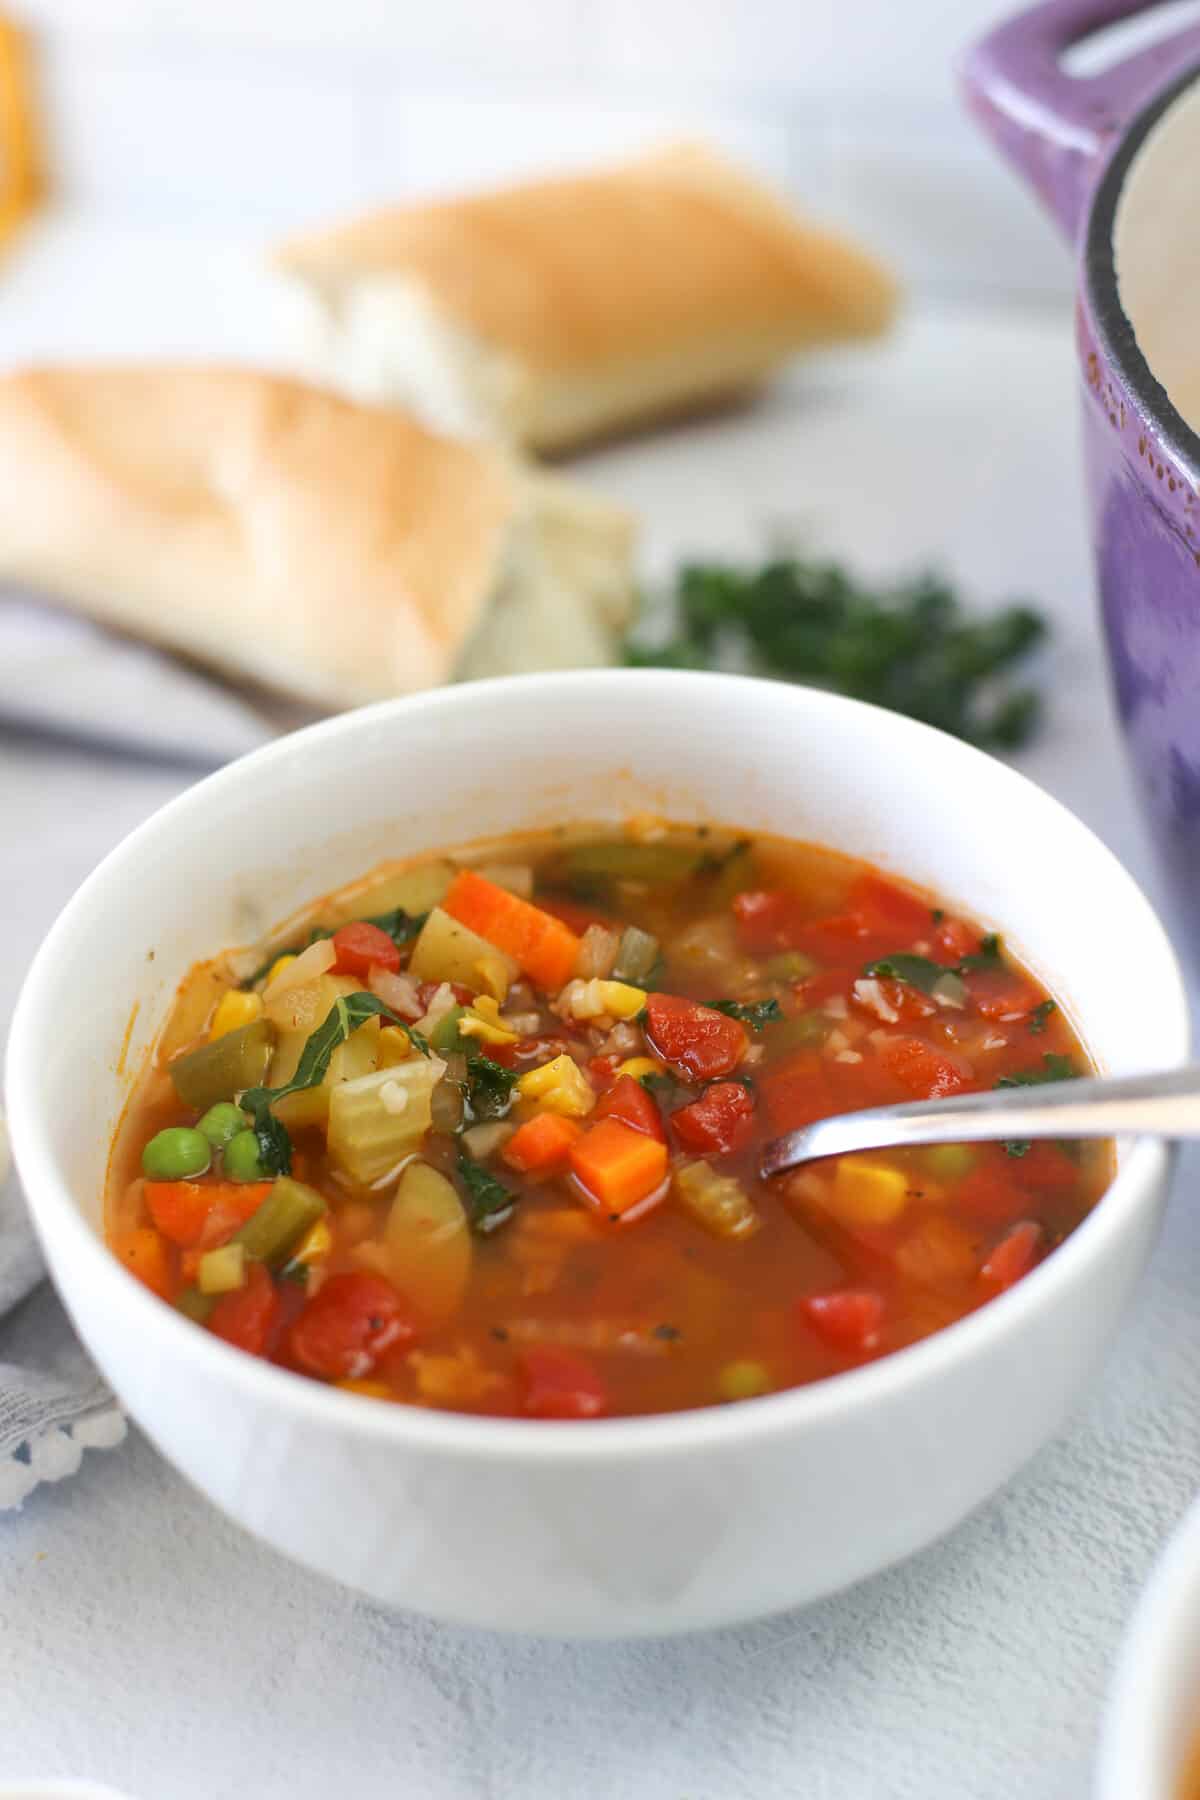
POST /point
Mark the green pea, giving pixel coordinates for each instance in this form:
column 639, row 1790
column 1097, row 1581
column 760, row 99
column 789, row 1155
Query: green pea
column 948, row 1162
column 222, row 1122
column 789, row 965
column 241, row 1158
column 743, row 1380
column 175, row 1154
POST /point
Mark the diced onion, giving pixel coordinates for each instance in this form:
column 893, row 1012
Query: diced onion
column 318, row 959
column 397, row 991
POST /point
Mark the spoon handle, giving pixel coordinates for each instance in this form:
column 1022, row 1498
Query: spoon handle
column 1162, row 1105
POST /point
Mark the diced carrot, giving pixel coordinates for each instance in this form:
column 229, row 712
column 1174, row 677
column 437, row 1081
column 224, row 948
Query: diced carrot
column 617, row 1167
column 541, row 945
column 542, row 1144
column 144, row 1253
column 1013, row 1256
column 199, row 1213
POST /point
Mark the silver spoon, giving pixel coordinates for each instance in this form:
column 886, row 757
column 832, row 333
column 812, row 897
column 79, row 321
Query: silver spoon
column 1164, row 1105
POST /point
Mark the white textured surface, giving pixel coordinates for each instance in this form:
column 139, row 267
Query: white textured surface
column 145, row 1643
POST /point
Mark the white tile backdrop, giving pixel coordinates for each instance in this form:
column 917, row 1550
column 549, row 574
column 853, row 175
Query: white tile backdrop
column 248, row 116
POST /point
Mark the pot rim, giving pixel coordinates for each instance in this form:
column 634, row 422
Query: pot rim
column 1113, row 327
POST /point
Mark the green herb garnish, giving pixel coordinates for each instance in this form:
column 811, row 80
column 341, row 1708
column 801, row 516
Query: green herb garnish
column 489, row 1087
column 1040, row 1014
column 400, row 926
column 489, row 1202
column 990, row 955
column 917, row 971
column 1054, row 1068
column 912, row 648
column 754, row 1013
column 344, row 1016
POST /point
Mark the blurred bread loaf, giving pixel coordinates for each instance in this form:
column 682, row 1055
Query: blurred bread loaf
column 559, row 311
column 332, row 551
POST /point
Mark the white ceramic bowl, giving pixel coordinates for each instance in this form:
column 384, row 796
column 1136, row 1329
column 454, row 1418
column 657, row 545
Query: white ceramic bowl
column 622, row 1526
column 1153, row 1717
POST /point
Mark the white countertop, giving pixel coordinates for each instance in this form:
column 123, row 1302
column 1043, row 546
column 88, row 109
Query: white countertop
column 147, row 1643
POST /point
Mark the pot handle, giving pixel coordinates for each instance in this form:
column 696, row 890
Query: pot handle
column 1056, row 128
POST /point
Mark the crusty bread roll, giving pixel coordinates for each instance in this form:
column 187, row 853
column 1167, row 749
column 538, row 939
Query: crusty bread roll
column 334, row 552
column 558, row 311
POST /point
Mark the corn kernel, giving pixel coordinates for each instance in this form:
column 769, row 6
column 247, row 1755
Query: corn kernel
column 234, row 1010
column 637, row 1066
column 621, row 999
column 317, row 1241
column 395, row 1046
column 868, row 1193
column 376, row 1390
column 483, row 1021
column 279, row 965
column 559, row 1086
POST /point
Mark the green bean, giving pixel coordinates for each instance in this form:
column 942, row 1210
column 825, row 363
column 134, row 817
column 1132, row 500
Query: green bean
column 222, row 1122
column 176, row 1154
column 281, row 1221
column 194, row 1305
column 219, row 1070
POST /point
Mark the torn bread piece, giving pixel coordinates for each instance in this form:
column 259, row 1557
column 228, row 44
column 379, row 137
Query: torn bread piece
column 559, row 311
column 330, row 551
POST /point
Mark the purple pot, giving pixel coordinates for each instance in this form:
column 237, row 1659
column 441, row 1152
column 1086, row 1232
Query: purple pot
column 1116, row 159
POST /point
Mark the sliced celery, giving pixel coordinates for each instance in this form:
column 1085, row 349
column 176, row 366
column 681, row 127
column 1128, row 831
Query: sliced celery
column 444, row 1037
column 273, row 1232
column 219, row 1070
column 789, row 965
column 637, row 954
column 377, row 1120
column 948, row 1162
column 803, row 1032
column 413, row 891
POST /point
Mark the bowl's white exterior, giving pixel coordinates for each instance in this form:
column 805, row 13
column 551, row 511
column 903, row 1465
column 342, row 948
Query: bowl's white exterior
column 622, row 1526
column 1154, row 1710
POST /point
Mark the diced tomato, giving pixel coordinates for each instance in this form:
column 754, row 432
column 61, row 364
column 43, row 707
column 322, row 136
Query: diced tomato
column 796, row 1091
column 827, row 984
column 997, row 992
column 145, row 1254
column 887, row 908
column 989, row 1193
column 199, row 1214
column 361, row 947
column 921, row 1070
column 952, row 940
column 576, row 916
column 1013, row 1256
column 695, row 1039
column 530, row 1051
column 560, row 1384
column 349, row 1324
column 848, row 1319
column 603, row 1071
column 628, row 1101
column 248, row 1316
column 890, row 1000
column 719, row 1121
column 542, row 1145
column 1047, row 1168
column 768, row 920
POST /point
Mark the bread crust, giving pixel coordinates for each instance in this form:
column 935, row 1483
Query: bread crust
column 615, row 296
column 336, row 552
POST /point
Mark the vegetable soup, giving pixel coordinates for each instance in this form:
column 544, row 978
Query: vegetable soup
column 482, row 1132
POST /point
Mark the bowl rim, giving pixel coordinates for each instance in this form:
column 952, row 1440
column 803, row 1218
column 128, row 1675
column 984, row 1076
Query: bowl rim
column 1139, row 1711
column 56, row 1215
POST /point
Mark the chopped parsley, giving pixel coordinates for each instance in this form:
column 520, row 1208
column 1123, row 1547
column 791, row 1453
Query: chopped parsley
column 1053, row 1068
column 489, row 1202
column 917, row 971
column 1039, row 1016
column 754, row 1013
column 489, row 1087
column 911, row 647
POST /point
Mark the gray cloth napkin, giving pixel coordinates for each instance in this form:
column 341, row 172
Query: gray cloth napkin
column 53, row 1404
